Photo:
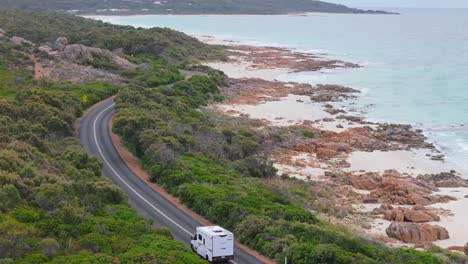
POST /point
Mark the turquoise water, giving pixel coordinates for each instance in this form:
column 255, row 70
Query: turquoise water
column 415, row 64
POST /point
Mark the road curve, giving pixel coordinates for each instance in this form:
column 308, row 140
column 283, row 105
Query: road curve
column 95, row 136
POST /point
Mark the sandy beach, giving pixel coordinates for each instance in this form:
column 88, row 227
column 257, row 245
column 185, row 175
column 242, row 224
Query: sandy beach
column 244, row 70
column 288, row 111
column 412, row 162
column 456, row 222
column 302, row 110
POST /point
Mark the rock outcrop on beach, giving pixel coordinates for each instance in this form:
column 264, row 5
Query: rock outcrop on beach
column 332, row 93
column 444, row 180
column 274, row 58
column 383, row 137
column 400, row 136
column 366, row 181
column 417, row 214
column 416, row 233
column 393, row 188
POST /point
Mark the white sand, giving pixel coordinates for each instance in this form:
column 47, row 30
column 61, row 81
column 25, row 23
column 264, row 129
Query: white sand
column 457, row 223
column 215, row 40
column 378, row 227
column 311, row 169
column 307, row 173
column 242, row 70
column 290, row 110
column 412, row 162
column 359, row 191
column 378, row 224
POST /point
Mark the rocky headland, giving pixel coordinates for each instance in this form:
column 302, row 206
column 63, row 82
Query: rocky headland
column 385, row 180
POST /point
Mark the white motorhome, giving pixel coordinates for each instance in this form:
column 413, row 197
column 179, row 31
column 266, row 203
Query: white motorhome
column 213, row 243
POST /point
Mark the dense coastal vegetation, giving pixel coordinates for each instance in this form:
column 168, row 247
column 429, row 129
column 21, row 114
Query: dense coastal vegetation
column 54, row 205
column 163, row 42
column 56, row 208
column 183, row 6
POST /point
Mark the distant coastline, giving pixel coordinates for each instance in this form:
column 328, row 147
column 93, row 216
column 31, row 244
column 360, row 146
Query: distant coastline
column 140, row 14
column 186, row 7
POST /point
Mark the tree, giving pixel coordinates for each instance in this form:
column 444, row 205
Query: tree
column 49, row 196
column 15, row 238
column 50, row 247
column 59, row 127
column 9, row 197
column 96, row 243
column 251, row 226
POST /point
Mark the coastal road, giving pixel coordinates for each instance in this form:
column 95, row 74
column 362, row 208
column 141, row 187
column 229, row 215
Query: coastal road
column 95, row 135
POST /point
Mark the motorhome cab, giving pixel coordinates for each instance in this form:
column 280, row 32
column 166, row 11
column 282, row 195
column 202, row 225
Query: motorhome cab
column 213, row 243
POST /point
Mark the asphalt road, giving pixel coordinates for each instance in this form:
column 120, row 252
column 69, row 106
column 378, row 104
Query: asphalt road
column 94, row 133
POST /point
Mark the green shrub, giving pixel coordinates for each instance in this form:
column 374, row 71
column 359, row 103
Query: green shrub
column 308, row 134
column 9, row 197
column 26, row 214
column 34, row 259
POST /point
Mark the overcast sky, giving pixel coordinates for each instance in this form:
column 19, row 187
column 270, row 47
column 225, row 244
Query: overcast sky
column 403, row 3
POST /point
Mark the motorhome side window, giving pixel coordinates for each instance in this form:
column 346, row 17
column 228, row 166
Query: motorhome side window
column 199, row 237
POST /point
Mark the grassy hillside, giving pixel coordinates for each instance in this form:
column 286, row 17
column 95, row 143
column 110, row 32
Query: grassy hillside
column 184, row 6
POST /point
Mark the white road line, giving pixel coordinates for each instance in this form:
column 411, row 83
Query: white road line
column 124, row 182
